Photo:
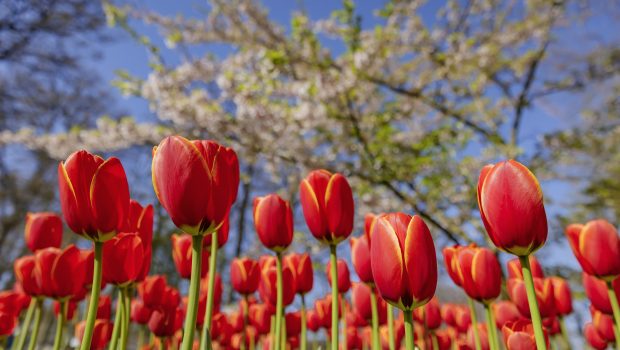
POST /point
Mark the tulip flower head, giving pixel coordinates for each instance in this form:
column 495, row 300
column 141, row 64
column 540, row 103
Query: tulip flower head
column 595, row 340
column 403, row 258
column 515, row 270
column 360, row 257
column 511, row 207
column 327, row 203
column 273, row 220
column 604, row 324
column 505, row 311
column 127, row 254
column 182, row 256
column 43, row 230
column 301, row 266
column 562, row 296
column 60, row 273
column 596, row 291
column 477, row 271
column 94, row 195
column 344, row 279
column 519, row 335
column 597, row 248
column 102, row 333
column 244, row 275
column 196, row 182
column 544, row 296
column 360, row 298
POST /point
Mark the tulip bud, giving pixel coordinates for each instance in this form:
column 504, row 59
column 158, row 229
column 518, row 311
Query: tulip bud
column 429, row 315
column 102, row 333
column 544, row 296
column 562, row 296
column 24, row 273
column 196, row 182
column 244, row 275
column 344, row 281
column 327, row 203
column 515, row 270
column 126, row 254
column 505, row 311
column 140, row 221
column 267, row 287
column 301, row 266
column 360, row 298
column 597, row 248
column 604, row 325
column 60, row 273
column 511, row 206
column 484, row 337
column 94, row 195
column 596, row 291
column 8, row 322
column 43, row 230
column 478, row 272
column 519, row 335
column 140, row 313
column 260, row 317
column 360, row 257
column 594, row 338
column 182, row 256
column 273, row 220
column 403, row 258
column 152, row 290
column 293, row 323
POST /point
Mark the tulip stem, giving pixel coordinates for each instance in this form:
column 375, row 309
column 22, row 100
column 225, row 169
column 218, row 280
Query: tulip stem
column 206, row 323
column 334, row 267
column 194, row 291
column 616, row 309
column 37, row 324
column 344, row 324
column 409, row 339
column 304, row 337
column 21, row 340
column 564, row 333
column 272, row 332
column 60, row 325
column 375, row 319
column 246, row 311
column 474, row 323
column 279, row 302
column 390, row 319
column 491, row 328
column 541, row 344
column 93, row 303
column 118, row 320
column 127, row 317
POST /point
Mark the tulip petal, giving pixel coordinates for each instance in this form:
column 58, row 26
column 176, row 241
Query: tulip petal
column 387, row 262
column 68, row 273
column 599, row 245
column 420, row 261
column 312, row 206
column 339, row 207
column 109, row 197
column 486, row 274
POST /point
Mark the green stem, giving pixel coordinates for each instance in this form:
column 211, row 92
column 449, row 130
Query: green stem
column 194, row 291
column 491, row 328
column 37, row 324
column 616, row 309
column 344, row 325
column 390, row 319
column 279, row 303
column 60, row 325
column 283, row 332
column 434, row 341
column 246, row 316
column 140, row 337
column 272, row 332
column 126, row 317
column 94, row 298
column 409, row 338
column 376, row 345
column 564, row 333
column 21, row 340
column 474, row 323
column 206, row 324
column 541, row 344
column 118, row 320
column 334, row 267
column 304, row 337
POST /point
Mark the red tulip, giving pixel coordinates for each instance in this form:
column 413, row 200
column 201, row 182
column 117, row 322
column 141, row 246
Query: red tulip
column 323, row 308
column 360, row 257
column 127, row 254
column 484, row 337
column 511, row 206
column 260, row 317
column 597, row 248
column 196, row 182
column 273, row 220
column 182, row 256
column 360, row 298
column 596, row 291
column 102, row 333
column 71, row 307
column 313, row 321
column 515, row 270
column 505, row 311
column 456, row 316
column 293, row 323
column 24, row 274
column 403, row 258
column 444, row 339
column 43, row 230
column 140, row 221
column 94, row 195
column 519, row 335
column 478, row 272
column 152, row 290
column 267, row 287
column 8, row 322
column 604, row 325
column 244, row 275
column 327, row 203
column 10, row 303
column 594, row 338
column 429, row 315
column 544, row 296
column 450, row 258
column 562, row 296
column 164, row 322
column 344, row 280
column 301, row 266
column 140, row 313
column 60, row 273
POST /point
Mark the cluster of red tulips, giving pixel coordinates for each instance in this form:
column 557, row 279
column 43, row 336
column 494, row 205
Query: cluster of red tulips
column 395, row 260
